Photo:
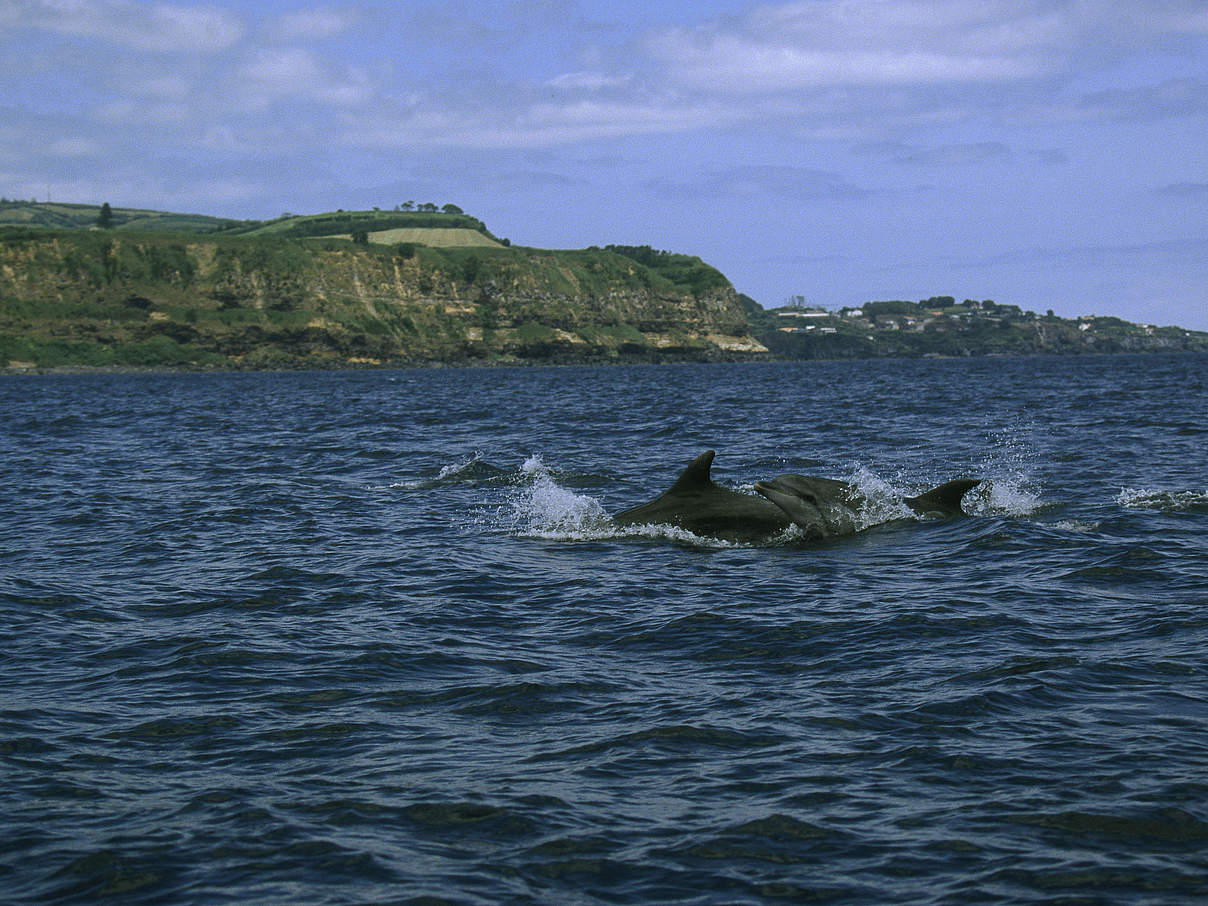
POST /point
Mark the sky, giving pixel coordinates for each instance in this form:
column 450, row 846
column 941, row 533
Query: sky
column 1051, row 155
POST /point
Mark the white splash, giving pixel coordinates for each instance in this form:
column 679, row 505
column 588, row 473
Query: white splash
column 541, row 508
column 882, row 499
column 1008, row 471
column 1008, row 496
column 1170, row 501
column 1003, row 495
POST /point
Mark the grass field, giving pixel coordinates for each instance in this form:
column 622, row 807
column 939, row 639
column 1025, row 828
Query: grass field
column 437, row 237
column 66, row 216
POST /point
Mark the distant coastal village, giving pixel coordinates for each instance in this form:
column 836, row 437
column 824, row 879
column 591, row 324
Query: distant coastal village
column 939, row 312
column 941, row 326
column 918, row 316
column 100, row 287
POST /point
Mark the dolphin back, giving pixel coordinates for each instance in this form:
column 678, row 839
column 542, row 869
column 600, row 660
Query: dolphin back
column 945, row 499
column 697, row 476
column 700, row 506
column 820, row 507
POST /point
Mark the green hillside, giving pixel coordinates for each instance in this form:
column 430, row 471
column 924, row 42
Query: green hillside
column 293, row 297
column 421, row 285
column 337, row 223
column 61, row 216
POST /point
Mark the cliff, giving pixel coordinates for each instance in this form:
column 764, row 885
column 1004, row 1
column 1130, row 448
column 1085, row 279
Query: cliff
column 109, row 298
column 425, row 286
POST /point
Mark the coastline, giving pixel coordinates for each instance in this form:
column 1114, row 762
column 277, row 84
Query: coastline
column 514, row 363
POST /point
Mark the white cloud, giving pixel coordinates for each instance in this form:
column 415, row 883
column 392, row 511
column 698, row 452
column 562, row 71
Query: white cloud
column 535, row 125
column 350, row 88
column 1194, row 191
column 170, row 87
column 1174, row 97
column 280, row 74
column 738, row 64
column 73, row 147
column 316, row 24
column 587, row 81
column 861, row 42
column 922, row 43
column 222, row 139
column 586, row 120
column 157, row 27
column 753, row 181
column 281, row 71
column 188, row 28
column 943, row 155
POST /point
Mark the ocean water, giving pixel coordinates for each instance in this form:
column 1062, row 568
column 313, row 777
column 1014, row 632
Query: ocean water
column 371, row 637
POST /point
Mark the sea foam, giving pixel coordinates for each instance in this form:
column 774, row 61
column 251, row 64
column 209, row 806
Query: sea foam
column 1168, row 501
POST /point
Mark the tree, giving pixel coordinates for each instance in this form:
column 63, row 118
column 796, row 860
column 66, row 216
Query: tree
column 452, row 209
column 105, row 219
column 360, row 237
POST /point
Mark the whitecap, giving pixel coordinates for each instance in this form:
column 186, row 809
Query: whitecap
column 475, row 468
column 1077, row 526
column 1169, row 501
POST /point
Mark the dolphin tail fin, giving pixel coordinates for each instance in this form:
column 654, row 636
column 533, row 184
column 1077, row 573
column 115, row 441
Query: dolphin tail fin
column 945, row 499
column 696, row 476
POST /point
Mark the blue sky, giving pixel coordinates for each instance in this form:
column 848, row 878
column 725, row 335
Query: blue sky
column 1043, row 154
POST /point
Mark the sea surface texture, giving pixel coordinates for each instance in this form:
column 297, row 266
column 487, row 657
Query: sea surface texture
column 372, row 637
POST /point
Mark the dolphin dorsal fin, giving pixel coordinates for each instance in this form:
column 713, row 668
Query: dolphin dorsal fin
column 944, row 499
column 696, row 476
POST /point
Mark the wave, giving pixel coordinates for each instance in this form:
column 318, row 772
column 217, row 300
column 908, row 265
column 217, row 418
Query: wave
column 1078, row 526
column 1167, row 501
column 475, row 470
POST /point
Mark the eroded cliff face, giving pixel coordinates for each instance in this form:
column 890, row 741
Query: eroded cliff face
column 323, row 303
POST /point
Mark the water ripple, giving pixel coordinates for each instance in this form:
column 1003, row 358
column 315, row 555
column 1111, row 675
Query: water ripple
column 372, row 637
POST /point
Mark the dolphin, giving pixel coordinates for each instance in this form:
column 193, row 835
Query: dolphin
column 824, row 508
column 695, row 503
column 821, row 508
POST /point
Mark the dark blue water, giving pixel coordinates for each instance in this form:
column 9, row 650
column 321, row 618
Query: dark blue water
column 337, row 638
